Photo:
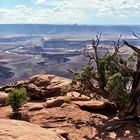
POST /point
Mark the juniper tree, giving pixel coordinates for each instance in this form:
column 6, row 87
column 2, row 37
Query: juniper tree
column 115, row 75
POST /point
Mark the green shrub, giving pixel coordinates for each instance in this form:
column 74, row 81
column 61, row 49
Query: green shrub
column 17, row 98
column 116, row 87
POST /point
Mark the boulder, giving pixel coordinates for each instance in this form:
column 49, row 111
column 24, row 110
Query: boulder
column 20, row 130
column 64, row 105
column 33, row 91
column 54, row 102
column 8, row 87
column 40, row 80
column 48, row 81
column 45, row 86
column 93, row 104
column 96, row 104
column 75, row 96
column 35, row 108
column 3, row 97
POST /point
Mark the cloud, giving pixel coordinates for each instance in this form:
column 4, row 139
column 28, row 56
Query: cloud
column 23, row 14
column 40, row 1
column 103, row 7
column 74, row 11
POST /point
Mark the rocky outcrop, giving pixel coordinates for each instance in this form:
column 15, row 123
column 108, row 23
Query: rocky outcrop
column 43, row 86
column 3, row 97
column 20, row 130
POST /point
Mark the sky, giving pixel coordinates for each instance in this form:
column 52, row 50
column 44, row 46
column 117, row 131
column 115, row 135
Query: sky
column 90, row 12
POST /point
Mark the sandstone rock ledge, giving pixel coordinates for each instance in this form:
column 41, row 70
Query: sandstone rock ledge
column 20, row 130
column 43, row 86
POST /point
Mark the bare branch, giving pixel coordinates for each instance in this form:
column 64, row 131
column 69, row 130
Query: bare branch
column 117, row 46
column 123, row 67
column 107, row 51
column 98, row 39
column 131, row 46
column 88, row 55
column 71, row 71
column 136, row 35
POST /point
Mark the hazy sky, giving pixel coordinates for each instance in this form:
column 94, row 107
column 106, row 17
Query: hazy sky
column 70, row 11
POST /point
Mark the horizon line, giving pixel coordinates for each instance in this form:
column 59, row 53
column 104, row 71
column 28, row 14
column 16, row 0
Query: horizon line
column 75, row 24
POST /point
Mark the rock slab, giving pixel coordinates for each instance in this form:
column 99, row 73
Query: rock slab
column 20, row 130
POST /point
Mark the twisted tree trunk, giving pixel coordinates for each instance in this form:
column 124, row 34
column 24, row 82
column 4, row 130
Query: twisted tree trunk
column 133, row 106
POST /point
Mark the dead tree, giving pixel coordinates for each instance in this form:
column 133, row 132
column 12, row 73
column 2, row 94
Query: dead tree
column 96, row 81
column 133, row 106
column 91, row 76
column 134, row 103
column 93, row 55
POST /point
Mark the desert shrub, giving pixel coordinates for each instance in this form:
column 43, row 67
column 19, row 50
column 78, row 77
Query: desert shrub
column 17, row 98
column 67, row 99
column 83, row 74
column 86, row 77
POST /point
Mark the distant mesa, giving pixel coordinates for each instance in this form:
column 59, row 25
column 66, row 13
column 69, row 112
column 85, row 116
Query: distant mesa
column 60, row 57
column 37, row 48
column 62, row 43
column 57, row 55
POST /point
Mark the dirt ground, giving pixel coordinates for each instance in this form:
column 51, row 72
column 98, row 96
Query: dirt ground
column 78, row 124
